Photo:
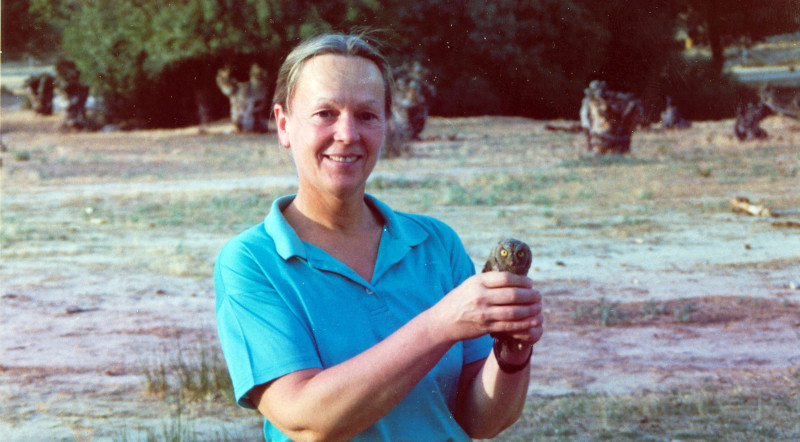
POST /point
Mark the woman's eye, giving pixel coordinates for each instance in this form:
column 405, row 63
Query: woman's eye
column 325, row 114
column 368, row 116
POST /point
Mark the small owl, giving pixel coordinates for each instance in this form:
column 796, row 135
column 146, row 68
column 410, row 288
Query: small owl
column 509, row 255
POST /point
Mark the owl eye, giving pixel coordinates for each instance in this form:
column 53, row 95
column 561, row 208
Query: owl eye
column 503, row 253
column 521, row 254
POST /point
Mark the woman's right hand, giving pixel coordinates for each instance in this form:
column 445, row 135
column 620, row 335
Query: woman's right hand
column 491, row 302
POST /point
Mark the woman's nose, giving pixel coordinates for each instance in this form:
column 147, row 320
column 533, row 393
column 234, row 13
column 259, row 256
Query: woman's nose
column 347, row 129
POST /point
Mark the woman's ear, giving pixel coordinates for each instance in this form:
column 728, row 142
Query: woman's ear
column 280, row 121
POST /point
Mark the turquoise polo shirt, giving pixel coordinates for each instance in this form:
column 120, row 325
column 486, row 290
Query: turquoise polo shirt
column 284, row 305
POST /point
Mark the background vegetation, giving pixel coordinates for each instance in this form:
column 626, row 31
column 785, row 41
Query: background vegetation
column 504, row 57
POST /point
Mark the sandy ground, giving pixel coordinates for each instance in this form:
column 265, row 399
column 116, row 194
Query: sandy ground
column 700, row 297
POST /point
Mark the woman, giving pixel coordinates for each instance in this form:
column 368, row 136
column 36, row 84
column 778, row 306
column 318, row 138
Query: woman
column 342, row 319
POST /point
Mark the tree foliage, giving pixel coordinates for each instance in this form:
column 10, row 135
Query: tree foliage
column 533, row 58
column 505, row 56
column 23, row 32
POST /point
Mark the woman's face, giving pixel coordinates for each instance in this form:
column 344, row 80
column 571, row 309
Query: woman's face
column 336, row 125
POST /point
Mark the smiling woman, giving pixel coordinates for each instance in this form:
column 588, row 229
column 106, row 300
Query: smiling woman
column 342, row 319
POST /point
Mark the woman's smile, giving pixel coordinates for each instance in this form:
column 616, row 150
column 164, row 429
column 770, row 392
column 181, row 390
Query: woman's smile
column 342, row 158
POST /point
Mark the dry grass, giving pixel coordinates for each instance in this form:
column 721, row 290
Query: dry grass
column 159, row 204
column 698, row 414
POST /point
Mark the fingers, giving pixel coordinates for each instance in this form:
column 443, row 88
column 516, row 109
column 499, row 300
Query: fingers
column 491, row 302
column 530, row 335
column 512, row 318
column 522, row 326
column 513, row 295
column 515, row 312
column 505, row 279
column 511, row 302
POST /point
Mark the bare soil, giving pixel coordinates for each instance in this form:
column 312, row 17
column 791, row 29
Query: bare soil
column 651, row 282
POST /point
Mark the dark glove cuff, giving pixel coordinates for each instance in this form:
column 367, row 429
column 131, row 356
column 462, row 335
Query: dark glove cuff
column 507, row 367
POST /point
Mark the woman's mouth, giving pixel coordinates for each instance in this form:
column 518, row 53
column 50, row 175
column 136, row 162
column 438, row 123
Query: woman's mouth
column 342, row 159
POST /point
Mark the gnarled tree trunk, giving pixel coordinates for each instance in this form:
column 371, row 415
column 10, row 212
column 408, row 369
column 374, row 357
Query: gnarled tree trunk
column 69, row 86
column 248, row 99
column 608, row 118
column 39, row 89
column 748, row 120
column 412, row 99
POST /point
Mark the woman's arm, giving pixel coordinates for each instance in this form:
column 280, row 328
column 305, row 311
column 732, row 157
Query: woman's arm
column 490, row 400
column 342, row 401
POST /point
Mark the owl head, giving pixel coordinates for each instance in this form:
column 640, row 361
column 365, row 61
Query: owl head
column 512, row 255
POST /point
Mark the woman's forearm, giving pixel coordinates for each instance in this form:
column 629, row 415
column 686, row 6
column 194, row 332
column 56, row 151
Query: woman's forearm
column 493, row 400
column 342, row 401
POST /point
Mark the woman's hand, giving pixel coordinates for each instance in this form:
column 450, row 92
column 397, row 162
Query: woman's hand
column 491, row 302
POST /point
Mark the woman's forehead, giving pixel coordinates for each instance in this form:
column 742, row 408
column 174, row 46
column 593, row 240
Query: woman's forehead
column 339, row 66
column 333, row 72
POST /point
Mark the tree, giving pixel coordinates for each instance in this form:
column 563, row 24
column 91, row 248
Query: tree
column 151, row 61
column 530, row 58
column 23, row 32
column 720, row 22
column 504, row 56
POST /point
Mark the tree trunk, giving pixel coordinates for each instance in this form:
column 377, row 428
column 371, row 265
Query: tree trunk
column 714, row 37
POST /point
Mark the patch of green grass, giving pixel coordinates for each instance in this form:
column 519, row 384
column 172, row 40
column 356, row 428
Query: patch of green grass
column 173, row 429
column 683, row 313
column 603, row 161
column 15, row 229
column 653, row 308
column 630, row 221
column 542, row 200
column 609, row 314
column 684, row 415
column 587, row 193
column 481, row 190
column 187, row 378
column 764, row 170
column 202, row 376
column 22, row 155
column 179, row 427
column 224, row 212
column 704, row 172
column 647, row 194
column 605, row 312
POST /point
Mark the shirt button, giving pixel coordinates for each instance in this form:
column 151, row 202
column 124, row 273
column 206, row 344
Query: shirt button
column 369, row 291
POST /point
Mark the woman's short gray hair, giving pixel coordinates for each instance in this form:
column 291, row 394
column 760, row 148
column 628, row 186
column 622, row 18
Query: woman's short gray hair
column 341, row 44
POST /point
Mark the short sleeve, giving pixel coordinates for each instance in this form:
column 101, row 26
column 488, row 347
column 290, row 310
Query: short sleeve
column 261, row 337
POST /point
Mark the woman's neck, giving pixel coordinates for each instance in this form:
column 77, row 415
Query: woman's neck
column 349, row 231
column 317, row 214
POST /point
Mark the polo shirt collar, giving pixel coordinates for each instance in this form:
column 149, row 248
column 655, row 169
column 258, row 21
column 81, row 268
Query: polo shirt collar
column 287, row 243
column 402, row 232
column 400, row 229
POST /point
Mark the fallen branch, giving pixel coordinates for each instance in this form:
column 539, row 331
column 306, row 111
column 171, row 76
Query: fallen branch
column 787, row 224
column 742, row 204
column 574, row 128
